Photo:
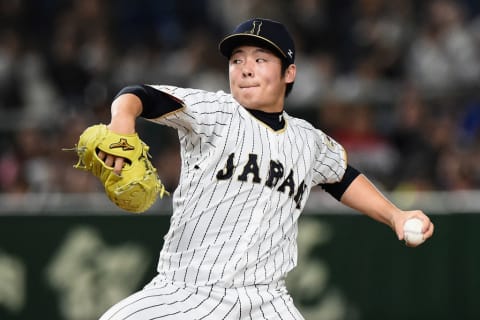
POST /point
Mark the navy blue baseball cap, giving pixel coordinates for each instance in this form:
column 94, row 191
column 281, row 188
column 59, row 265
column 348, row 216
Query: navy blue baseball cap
column 261, row 32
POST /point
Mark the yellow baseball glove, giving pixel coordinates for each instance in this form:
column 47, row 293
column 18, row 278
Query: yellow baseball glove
column 138, row 186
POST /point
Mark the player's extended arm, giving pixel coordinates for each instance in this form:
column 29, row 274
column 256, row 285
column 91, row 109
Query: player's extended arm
column 363, row 196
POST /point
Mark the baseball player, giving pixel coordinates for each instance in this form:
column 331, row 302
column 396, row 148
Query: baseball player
column 247, row 170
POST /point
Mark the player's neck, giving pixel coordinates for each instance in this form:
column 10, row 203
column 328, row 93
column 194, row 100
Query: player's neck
column 274, row 120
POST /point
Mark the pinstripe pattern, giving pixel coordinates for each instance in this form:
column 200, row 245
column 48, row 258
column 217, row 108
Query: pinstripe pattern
column 168, row 301
column 234, row 223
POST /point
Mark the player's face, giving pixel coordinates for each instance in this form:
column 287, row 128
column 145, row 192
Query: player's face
column 256, row 80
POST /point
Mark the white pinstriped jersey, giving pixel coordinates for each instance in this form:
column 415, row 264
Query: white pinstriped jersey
column 241, row 190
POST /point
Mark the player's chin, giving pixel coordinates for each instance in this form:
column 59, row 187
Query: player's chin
column 246, row 99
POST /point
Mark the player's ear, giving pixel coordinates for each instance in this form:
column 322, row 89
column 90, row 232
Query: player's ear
column 290, row 73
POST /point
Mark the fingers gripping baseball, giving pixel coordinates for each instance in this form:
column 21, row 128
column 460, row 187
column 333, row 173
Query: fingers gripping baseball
column 122, row 164
column 414, row 227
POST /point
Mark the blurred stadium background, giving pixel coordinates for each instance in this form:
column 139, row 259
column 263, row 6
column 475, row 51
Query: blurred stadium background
column 395, row 81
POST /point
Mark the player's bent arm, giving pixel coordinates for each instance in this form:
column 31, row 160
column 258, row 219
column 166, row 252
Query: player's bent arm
column 129, row 104
column 363, row 196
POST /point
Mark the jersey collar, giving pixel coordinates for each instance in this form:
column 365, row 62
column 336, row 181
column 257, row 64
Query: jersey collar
column 275, row 120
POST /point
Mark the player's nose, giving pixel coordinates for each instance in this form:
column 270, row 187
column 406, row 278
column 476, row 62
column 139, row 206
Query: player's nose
column 247, row 73
column 247, row 70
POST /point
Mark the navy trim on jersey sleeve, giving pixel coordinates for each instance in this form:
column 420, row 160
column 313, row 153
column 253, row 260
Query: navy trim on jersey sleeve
column 155, row 103
column 338, row 189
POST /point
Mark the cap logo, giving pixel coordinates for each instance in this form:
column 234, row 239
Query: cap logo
column 256, row 27
column 290, row 53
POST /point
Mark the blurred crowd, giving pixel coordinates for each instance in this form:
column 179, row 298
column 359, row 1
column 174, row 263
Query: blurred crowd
column 395, row 81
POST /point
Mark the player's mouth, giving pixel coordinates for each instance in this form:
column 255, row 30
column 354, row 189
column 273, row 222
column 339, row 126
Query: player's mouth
column 249, row 86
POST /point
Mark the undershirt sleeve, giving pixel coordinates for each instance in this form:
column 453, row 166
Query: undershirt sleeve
column 155, row 103
column 338, row 189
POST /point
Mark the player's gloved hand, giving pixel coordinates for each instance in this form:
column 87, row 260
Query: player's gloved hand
column 137, row 187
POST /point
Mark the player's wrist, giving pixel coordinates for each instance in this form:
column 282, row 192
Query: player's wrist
column 122, row 125
column 122, row 121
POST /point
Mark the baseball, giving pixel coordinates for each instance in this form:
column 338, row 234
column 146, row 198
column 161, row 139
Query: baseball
column 412, row 230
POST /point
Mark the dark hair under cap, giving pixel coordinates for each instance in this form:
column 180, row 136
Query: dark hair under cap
column 263, row 32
